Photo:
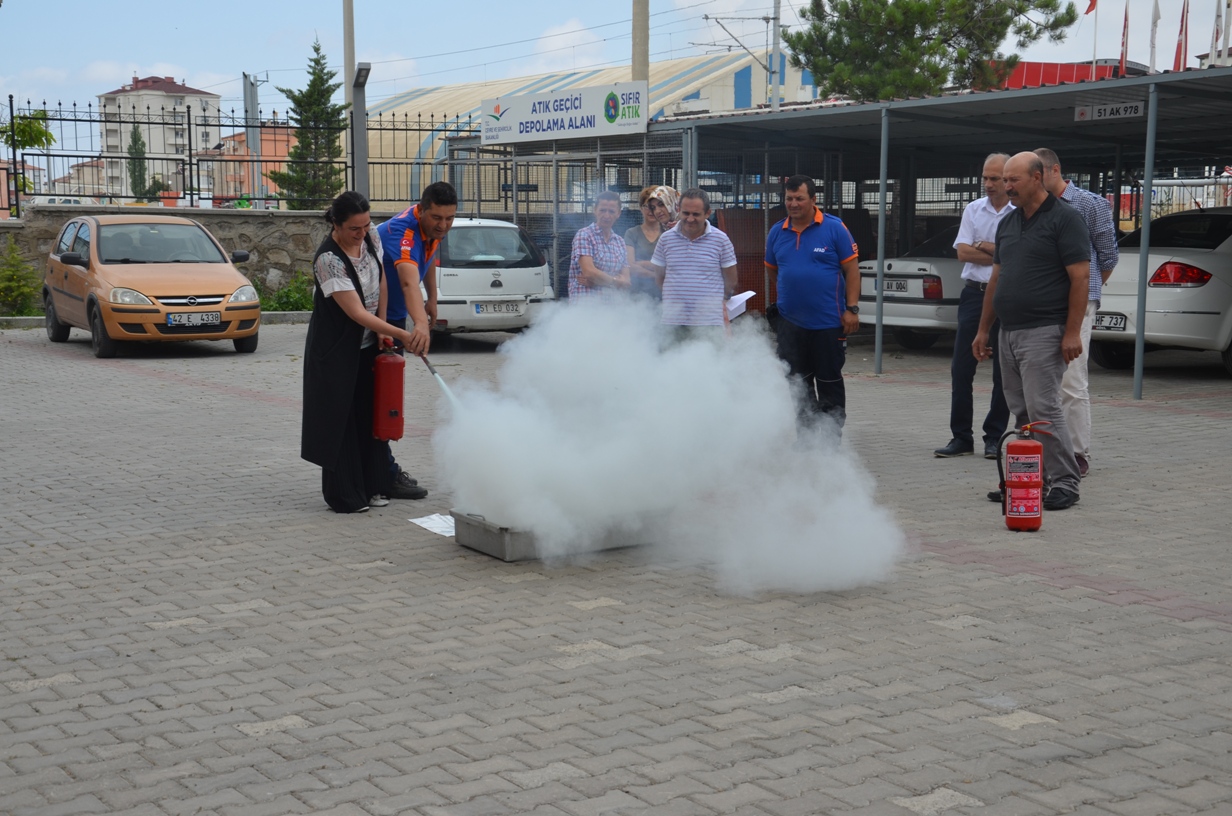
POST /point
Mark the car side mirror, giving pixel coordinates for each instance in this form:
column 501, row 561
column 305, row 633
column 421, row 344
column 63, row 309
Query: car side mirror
column 239, row 256
column 75, row 259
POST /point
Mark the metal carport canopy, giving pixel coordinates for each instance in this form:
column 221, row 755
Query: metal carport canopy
column 1185, row 119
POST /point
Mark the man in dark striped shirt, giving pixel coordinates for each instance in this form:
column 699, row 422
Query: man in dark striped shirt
column 1097, row 212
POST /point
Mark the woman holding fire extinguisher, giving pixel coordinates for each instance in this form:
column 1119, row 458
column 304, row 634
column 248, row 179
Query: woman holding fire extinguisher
column 345, row 334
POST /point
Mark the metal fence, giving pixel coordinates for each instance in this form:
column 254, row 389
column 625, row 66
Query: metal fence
column 191, row 157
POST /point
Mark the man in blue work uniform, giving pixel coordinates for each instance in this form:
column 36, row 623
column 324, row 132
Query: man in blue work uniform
column 816, row 263
column 409, row 243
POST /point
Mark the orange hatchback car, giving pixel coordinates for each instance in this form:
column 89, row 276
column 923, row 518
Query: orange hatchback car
column 147, row 278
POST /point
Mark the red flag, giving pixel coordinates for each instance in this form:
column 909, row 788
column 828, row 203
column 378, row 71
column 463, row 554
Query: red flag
column 1182, row 40
column 1091, row 7
column 1125, row 38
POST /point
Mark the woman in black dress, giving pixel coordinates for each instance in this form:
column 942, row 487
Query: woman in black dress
column 346, row 332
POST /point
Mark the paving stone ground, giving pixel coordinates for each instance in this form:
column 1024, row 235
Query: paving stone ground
column 187, row 630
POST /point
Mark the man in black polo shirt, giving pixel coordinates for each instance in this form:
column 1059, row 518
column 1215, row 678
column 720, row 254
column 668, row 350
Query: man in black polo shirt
column 1038, row 289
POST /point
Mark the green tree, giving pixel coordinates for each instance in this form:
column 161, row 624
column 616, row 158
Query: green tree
column 19, row 282
column 136, row 163
column 23, row 132
column 884, row 49
column 27, row 130
column 314, row 174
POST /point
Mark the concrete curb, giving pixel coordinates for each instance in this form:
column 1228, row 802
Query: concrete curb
column 267, row 318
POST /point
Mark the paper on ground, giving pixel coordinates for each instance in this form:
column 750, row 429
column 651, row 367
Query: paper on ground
column 436, row 523
column 737, row 303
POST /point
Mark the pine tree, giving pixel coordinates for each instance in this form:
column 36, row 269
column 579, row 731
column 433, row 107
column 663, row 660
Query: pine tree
column 136, row 163
column 885, row 49
column 314, row 174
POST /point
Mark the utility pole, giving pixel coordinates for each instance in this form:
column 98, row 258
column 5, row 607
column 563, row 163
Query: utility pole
column 641, row 41
column 348, row 49
column 775, row 59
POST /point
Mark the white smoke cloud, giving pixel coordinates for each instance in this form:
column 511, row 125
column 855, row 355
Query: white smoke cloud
column 596, row 431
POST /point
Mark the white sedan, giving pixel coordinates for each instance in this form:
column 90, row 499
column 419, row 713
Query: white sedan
column 1189, row 291
column 921, row 291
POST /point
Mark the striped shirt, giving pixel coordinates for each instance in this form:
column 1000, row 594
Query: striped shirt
column 1097, row 212
column 608, row 256
column 693, row 286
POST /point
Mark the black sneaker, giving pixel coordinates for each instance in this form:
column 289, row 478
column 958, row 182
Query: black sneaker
column 994, row 496
column 990, row 450
column 1059, row 499
column 955, row 448
column 404, row 478
column 401, row 490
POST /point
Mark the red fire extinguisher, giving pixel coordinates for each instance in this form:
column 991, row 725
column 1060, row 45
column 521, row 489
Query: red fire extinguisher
column 1022, row 478
column 388, row 370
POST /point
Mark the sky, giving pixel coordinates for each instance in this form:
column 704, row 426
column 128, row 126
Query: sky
column 431, row 43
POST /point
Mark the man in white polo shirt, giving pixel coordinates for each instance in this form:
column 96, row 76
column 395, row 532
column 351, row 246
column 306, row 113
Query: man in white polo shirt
column 696, row 266
column 975, row 244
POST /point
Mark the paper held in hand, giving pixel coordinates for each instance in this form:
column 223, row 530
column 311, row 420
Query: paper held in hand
column 736, row 304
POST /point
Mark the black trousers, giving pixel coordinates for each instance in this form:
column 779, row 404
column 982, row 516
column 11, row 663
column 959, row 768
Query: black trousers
column 816, row 356
column 360, row 470
column 962, row 374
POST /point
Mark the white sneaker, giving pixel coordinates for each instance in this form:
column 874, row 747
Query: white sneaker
column 378, row 501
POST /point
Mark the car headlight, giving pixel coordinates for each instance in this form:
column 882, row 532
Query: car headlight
column 245, row 294
column 129, row 297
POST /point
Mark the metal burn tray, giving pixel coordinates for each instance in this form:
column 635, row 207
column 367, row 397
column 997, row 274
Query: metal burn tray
column 475, row 532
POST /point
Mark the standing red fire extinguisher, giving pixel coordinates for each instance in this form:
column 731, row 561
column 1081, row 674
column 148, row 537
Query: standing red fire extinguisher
column 1022, row 478
column 387, row 370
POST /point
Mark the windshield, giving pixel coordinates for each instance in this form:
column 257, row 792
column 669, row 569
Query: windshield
column 940, row 245
column 156, row 243
column 1193, row 230
column 489, row 248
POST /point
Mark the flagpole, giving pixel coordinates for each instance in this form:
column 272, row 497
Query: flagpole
column 1227, row 30
column 1095, row 43
column 1154, row 32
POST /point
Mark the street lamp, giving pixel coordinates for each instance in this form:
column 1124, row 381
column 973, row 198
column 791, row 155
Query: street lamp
column 359, row 127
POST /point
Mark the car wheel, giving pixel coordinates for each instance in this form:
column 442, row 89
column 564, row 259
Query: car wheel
column 914, row 339
column 57, row 332
column 104, row 346
column 1114, row 356
column 1227, row 358
column 245, row 345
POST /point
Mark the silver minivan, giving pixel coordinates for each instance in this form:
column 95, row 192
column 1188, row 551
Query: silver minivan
column 490, row 276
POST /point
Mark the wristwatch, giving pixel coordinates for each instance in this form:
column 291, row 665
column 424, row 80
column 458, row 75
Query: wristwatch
column 854, row 309
column 978, row 244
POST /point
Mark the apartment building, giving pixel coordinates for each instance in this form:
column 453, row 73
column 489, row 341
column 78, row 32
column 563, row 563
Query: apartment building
column 162, row 108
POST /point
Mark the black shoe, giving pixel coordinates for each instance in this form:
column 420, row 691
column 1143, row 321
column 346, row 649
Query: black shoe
column 990, row 450
column 405, row 487
column 994, row 496
column 1059, row 499
column 955, row 448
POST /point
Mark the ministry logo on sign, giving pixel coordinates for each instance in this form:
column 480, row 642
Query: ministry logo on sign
column 497, row 113
column 611, row 108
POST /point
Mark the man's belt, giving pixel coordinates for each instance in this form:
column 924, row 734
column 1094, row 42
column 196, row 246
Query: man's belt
column 976, row 285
